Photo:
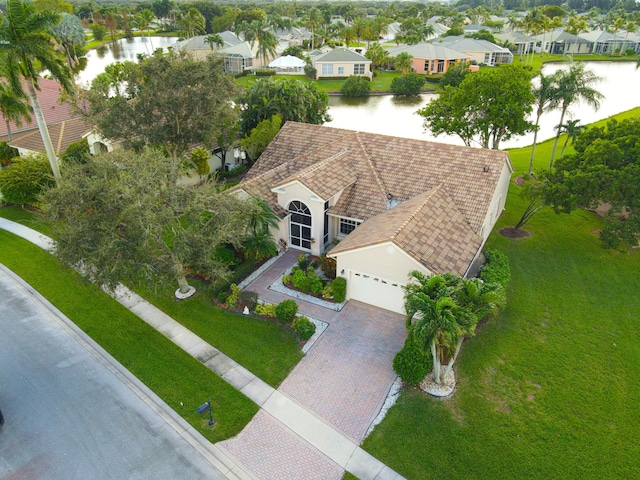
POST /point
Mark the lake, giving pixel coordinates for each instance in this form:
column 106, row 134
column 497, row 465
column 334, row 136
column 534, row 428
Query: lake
column 124, row 49
column 396, row 116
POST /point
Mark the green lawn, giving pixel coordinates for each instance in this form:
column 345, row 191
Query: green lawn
column 549, row 389
column 180, row 380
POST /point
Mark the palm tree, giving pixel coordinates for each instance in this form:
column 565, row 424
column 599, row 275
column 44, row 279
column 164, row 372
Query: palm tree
column 574, row 85
column 572, row 129
column 27, row 48
column 377, row 55
column 360, row 28
column 403, row 62
column 144, row 18
column 214, row 40
column 348, row 35
column 259, row 243
column 546, row 98
column 13, row 108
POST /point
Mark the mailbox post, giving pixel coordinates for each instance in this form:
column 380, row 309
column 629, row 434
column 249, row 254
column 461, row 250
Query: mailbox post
column 204, row 408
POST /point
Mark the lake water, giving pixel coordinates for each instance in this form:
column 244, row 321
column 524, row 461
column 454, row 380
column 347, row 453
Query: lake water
column 124, row 49
column 396, row 116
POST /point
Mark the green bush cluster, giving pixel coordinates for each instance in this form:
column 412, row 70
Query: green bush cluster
column 232, row 299
column 410, row 363
column 356, row 86
column 266, row 310
column 409, row 84
column 328, row 266
column 233, row 173
column 23, row 181
column 286, row 311
column 304, row 327
column 496, row 269
column 247, row 299
column 339, row 289
column 265, row 73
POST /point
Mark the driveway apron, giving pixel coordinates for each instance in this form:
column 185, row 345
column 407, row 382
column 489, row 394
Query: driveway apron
column 343, row 380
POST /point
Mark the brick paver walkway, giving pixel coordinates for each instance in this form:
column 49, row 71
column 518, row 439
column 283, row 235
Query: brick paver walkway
column 343, row 380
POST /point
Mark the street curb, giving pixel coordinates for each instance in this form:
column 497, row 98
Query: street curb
column 209, row 451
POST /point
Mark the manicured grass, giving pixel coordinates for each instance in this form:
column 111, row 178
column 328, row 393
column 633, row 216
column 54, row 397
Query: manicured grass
column 268, row 349
column 550, row 388
column 180, row 380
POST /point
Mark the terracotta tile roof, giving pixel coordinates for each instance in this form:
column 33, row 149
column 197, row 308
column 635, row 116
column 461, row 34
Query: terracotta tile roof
column 387, row 170
column 62, row 135
column 428, row 227
column 53, row 111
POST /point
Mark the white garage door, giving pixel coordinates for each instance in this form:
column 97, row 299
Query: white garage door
column 376, row 291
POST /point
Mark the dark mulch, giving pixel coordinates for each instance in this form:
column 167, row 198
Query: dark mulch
column 510, row 232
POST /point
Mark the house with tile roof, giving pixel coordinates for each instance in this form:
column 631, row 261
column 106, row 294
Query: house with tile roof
column 62, row 135
column 393, row 204
column 429, row 58
column 341, row 62
column 482, row 51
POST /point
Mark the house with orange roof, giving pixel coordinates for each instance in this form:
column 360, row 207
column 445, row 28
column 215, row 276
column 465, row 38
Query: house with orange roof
column 392, row 204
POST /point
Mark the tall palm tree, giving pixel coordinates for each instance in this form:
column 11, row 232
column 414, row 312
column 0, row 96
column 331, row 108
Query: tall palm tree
column 28, row 48
column 377, row 55
column 214, row 40
column 546, row 98
column 403, row 62
column 144, row 18
column 575, row 85
column 13, row 108
column 572, row 129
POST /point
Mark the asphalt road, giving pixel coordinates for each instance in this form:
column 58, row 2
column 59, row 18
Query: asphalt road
column 69, row 414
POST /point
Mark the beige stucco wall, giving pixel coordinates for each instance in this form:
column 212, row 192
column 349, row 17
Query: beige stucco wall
column 391, row 263
column 497, row 202
column 296, row 191
column 348, row 69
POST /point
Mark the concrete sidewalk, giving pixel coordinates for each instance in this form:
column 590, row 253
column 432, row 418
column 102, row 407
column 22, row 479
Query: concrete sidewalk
column 293, row 417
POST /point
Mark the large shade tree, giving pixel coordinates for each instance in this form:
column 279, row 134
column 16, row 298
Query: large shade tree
column 171, row 101
column 478, row 111
column 27, row 48
column 124, row 218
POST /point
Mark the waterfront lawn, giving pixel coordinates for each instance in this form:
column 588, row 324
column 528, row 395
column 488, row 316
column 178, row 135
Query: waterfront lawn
column 550, row 388
column 268, row 349
column 180, row 380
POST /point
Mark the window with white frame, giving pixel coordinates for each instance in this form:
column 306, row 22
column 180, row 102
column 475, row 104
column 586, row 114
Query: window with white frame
column 347, row 226
column 358, row 69
column 340, row 70
column 327, row 69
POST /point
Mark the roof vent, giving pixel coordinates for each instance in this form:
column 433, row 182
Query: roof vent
column 485, row 168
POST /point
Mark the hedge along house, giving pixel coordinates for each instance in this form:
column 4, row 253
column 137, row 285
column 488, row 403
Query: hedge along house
column 394, row 204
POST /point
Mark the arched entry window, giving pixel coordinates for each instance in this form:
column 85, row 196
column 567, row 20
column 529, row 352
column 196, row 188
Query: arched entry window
column 299, row 225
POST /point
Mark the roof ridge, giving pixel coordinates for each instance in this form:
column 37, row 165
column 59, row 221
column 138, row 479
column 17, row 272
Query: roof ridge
column 376, row 174
column 434, row 190
column 264, row 174
column 315, row 166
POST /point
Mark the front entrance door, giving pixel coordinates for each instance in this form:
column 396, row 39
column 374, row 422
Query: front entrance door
column 299, row 225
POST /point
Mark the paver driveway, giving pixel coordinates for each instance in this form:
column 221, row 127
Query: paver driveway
column 343, row 380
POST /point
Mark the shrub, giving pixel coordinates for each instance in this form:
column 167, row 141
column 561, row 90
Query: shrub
column 265, row 73
column 304, row 327
column 356, row 86
column 409, row 84
column 410, row 363
column 222, row 296
column 496, row 269
column 266, row 310
column 77, row 152
column 328, row 266
column 240, row 169
column 310, row 71
column 98, row 31
column 315, row 264
column 225, row 255
column 286, row 279
column 247, row 299
column 327, row 291
column 24, row 180
column 316, row 286
column 299, row 278
column 7, row 153
column 232, row 299
column 339, row 289
column 303, row 261
column 286, row 311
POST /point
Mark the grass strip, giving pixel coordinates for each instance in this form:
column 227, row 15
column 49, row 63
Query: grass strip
column 179, row 379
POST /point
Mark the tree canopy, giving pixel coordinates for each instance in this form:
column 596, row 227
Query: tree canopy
column 291, row 99
column 171, row 101
column 487, row 107
column 124, row 217
column 605, row 168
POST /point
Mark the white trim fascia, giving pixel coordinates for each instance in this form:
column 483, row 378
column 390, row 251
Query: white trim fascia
column 385, row 243
column 281, row 190
column 335, row 215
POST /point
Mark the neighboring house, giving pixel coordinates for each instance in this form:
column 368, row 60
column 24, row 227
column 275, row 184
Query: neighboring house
column 395, row 204
column 522, row 44
column 605, row 42
column 431, row 58
column 560, row 42
column 200, row 48
column 53, row 110
column 482, row 51
column 341, row 62
column 62, row 135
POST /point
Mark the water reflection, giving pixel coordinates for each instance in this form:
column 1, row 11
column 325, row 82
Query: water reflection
column 116, row 52
column 396, row 116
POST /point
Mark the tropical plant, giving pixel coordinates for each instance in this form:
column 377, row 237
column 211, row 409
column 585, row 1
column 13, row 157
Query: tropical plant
column 403, row 62
column 27, row 47
column 13, row 108
column 546, row 95
column 378, row 56
column 200, row 158
column 575, row 85
column 304, row 327
column 70, row 35
column 571, row 129
column 410, row 363
column 214, row 40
